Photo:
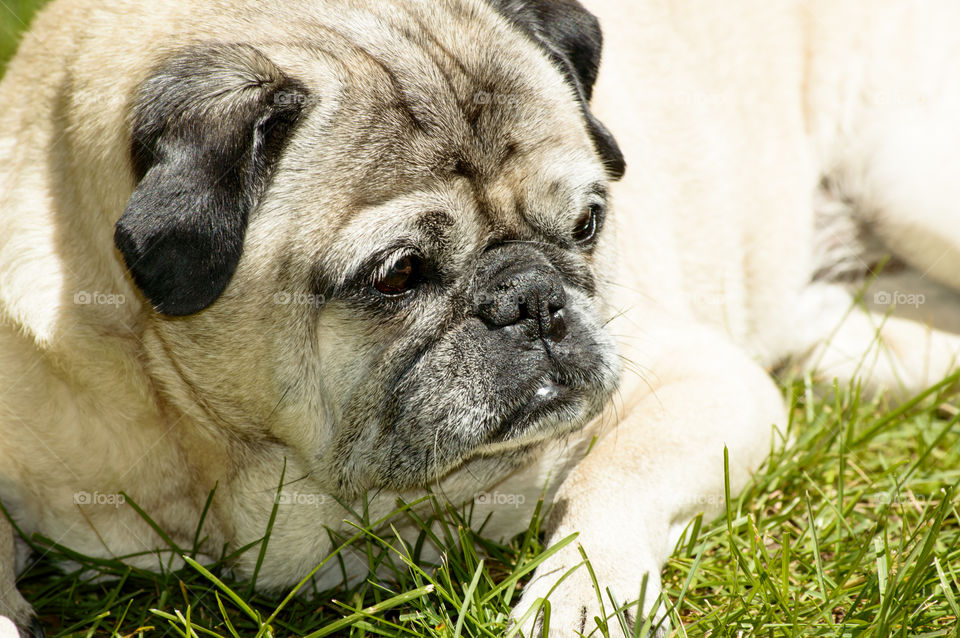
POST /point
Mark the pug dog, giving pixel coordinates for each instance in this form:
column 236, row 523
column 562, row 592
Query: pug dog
column 335, row 252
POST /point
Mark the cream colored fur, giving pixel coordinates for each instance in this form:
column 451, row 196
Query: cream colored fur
column 730, row 115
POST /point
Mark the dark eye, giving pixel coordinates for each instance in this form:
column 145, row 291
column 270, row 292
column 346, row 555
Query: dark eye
column 587, row 224
column 402, row 277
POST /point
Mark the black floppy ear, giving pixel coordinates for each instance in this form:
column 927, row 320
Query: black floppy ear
column 572, row 38
column 208, row 126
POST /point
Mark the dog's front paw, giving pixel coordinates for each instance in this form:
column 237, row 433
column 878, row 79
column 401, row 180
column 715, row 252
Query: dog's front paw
column 562, row 601
column 17, row 612
column 28, row 628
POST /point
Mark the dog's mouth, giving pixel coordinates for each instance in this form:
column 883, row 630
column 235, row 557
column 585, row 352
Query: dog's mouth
column 429, row 437
column 482, row 393
column 552, row 406
column 551, row 398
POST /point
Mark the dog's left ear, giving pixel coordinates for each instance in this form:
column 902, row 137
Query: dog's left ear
column 571, row 37
column 208, row 126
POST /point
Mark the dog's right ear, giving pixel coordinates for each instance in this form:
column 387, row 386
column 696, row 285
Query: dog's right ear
column 571, row 37
column 208, row 127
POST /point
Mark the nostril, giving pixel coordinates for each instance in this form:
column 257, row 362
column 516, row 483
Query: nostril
column 556, row 327
column 532, row 309
column 532, row 296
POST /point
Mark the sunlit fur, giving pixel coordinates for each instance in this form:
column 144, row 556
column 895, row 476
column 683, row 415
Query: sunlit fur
column 762, row 138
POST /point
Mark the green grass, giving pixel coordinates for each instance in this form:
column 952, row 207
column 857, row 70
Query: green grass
column 852, row 528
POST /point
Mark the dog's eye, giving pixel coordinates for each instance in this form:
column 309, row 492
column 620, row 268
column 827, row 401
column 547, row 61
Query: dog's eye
column 402, row 277
column 587, row 224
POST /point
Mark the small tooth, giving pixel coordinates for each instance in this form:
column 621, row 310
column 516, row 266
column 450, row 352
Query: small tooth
column 547, row 391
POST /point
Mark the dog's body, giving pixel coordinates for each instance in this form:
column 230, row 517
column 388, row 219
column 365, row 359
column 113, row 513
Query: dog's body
column 771, row 146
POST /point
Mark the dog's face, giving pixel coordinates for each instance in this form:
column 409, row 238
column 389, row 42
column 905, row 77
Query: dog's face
column 379, row 248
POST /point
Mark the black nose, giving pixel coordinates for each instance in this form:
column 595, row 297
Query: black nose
column 531, row 295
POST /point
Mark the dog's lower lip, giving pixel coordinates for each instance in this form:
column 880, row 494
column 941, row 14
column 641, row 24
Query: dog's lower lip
column 548, row 397
column 548, row 393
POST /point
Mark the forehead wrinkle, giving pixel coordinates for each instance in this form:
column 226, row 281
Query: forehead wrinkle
column 426, row 33
column 464, row 95
column 376, row 228
column 434, row 99
column 419, row 81
column 462, row 68
column 409, row 88
column 475, row 129
column 520, row 200
column 493, row 217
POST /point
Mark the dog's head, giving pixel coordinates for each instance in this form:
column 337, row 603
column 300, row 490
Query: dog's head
column 378, row 245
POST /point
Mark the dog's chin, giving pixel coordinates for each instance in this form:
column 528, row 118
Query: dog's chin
column 495, row 401
column 544, row 410
column 553, row 409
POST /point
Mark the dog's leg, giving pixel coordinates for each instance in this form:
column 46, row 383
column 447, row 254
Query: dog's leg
column 911, row 189
column 900, row 161
column 648, row 476
column 12, row 604
column 883, row 353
